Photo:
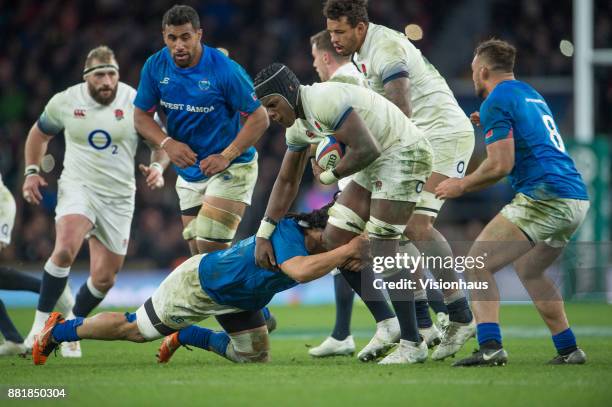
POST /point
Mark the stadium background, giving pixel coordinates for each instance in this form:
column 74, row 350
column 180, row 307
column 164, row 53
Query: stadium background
column 44, row 44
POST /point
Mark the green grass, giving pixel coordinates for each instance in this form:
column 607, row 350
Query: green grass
column 126, row 374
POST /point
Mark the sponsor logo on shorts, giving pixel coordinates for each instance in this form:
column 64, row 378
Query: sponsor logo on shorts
column 378, row 185
column 419, row 187
column 226, row 176
column 4, row 229
column 204, row 84
column 460, row 167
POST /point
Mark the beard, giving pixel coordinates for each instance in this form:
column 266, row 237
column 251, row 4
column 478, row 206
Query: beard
column 96, row 94
column 185, row 62
column 479, row 91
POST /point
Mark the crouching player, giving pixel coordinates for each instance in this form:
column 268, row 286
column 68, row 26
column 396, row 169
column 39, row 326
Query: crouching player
column 227, row 284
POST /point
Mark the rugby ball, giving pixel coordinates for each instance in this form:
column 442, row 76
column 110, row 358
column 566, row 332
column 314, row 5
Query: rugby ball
column 329, row 152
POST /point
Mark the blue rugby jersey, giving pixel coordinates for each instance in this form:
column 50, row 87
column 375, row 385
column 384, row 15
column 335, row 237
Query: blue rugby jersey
column 542, row 167
column 202, row 103
column 231, row 277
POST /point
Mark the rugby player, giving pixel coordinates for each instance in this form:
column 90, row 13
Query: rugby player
column 379, row 139
column 96, row 187
column 202, row 94
column 396, row 69
column 226, row 283
column 331, row 66
column 523, row 143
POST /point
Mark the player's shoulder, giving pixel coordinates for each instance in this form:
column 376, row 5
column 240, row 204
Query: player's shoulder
column 126, row 93
column 385, row 39
column 74, row 94
column 157, row 58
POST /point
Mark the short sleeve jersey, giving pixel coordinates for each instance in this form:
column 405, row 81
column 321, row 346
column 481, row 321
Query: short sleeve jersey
column 101, row 141
column 542, row 167
column 202, row 103
column 386, row 55
column 231, row 276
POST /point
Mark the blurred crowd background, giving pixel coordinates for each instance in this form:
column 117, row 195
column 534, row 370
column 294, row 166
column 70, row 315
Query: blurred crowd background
column 44, row 44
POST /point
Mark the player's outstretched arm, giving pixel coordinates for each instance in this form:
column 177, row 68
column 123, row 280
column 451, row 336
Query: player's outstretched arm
column 307, row 268
column 398, row 92
column 179, row 153
column 283, row 194
column 254, row 127
column 498, row 164
column 363, row 149
column 35, row 148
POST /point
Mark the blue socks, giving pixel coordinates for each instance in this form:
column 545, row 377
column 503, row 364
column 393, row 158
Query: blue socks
column 489, row 334
column 204, row 338
column 7, row 328
column 459, row 311
column 344, row 307
column 565, row 342
column 422, row 314
column 67, row 331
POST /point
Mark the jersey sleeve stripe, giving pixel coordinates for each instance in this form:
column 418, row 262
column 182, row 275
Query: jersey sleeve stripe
column 402, row 74
column 342, row 118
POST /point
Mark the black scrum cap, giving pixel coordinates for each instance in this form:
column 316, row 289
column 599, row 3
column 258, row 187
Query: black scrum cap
column 277, row 79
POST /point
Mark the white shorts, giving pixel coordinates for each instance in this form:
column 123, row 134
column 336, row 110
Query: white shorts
column 7, row 214
column 399, row 174
column 235, row 183
column 111, row 216
column 452, row 153
column 178, row 302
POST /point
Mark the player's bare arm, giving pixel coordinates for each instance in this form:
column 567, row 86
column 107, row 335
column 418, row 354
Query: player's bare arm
column 362, row 147
column 254, row 127
column 35, row 148
column 398, row 92
column 498, row 164
column 283, row 194
column 307, row 268
column 179, row 153
column 154, row 172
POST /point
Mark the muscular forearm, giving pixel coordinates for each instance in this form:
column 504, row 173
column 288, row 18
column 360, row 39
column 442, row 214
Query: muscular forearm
column 147, row 127
column 159, row 156
column 253, row 129
column 35, row 146
column 357, row 159
column 287, row 184
column 487, row 174
column 307, row 268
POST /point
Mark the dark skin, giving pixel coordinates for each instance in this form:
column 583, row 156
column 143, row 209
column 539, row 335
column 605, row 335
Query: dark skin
column 362, row 150
column 184, row 44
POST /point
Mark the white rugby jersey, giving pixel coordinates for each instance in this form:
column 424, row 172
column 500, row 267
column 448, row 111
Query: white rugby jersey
column 346, row 73
column 387, row 54
column 101, row 141
column 326, row 106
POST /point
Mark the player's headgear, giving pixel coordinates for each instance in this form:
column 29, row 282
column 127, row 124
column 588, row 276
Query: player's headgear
column 277, row 79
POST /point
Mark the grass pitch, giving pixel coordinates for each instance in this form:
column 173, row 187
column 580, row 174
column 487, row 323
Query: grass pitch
column 120, row 373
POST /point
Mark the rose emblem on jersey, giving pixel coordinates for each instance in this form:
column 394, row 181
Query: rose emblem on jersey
column 310, row 134
column 118, row 114
column 204, row 84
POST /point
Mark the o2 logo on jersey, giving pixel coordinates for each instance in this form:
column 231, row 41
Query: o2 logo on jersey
column 553, row 133
column 101, row 140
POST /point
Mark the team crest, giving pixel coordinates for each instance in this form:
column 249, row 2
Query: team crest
column 310, row 134
column 79, row 113
column 204, row 84
column 318, row 126
column 118, row 114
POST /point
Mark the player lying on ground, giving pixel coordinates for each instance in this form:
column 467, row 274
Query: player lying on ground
column 551, row 202
column 225, row 283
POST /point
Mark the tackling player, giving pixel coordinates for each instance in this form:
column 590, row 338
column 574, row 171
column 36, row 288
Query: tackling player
column 396, row 69
column 379, row 139
column 97, row 185
column 226, row 283
column 523, row 143
column 202, row 93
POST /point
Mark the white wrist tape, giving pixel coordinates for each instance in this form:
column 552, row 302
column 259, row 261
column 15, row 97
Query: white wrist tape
column 265, row 229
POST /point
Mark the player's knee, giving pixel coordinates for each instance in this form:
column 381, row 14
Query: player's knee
column 419, row 228
column 252, row 346
column 216, row 226
column 103, row 282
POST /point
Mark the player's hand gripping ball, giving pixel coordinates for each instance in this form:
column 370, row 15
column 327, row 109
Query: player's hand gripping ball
column 329, row 152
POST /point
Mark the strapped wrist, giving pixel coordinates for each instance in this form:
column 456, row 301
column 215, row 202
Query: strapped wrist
column 266, row 228
column 164, row 142
column 328, row 177
column 31, row 169
column 158, row 166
